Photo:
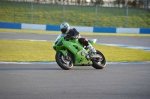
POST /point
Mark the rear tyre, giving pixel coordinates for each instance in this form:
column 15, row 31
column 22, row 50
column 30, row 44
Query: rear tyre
column 64, row 62
column 99, row 63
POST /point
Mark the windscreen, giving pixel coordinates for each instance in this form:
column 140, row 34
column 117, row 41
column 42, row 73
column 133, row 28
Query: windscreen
column 59, row 36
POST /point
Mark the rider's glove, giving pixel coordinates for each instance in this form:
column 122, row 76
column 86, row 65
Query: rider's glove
column 66, row 38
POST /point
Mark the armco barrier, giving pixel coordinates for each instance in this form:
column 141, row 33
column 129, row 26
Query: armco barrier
column 10, row 25
column 145, row 31
column 128, row 30
column 33, row 26
column 83, row 28
column 52, row 27
column 79, row 28
column 104, row 30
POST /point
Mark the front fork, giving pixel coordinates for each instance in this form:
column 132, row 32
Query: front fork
column 65, row 54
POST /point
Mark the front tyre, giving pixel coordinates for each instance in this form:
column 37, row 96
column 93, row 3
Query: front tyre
column 65, row 62
column 99, row 63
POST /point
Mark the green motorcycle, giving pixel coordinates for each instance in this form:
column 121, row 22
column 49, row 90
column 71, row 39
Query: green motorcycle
column 71, row 53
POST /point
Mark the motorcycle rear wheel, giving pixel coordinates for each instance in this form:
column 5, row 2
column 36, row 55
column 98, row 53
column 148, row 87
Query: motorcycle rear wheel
column 99, row 63
column 65, row 63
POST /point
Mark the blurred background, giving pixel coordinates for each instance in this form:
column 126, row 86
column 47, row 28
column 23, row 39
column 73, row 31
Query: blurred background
column 100, row 13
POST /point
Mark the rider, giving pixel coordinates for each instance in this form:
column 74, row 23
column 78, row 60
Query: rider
column 74, row 34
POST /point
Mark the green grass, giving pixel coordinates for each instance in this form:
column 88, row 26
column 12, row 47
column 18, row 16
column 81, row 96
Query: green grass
column 75, row 15
column 13, row 50
column 30, row 51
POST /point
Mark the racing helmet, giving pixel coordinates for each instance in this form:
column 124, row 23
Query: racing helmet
column 64, row 27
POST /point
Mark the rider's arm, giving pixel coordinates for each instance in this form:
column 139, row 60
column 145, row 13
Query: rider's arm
column 73, row 34
column 76, row 33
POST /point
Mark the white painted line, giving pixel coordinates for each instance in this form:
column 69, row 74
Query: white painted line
column 146, row 62
column 27, row 62
column 127, row 46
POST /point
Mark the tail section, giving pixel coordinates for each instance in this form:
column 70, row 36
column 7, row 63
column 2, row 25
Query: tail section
column 92, row 41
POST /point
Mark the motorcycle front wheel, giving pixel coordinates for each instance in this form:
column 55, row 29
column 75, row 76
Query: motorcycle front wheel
column 99, row 63
column 65, row 62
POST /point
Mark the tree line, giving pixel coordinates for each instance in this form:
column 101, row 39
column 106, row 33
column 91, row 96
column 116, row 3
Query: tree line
column 113, row 3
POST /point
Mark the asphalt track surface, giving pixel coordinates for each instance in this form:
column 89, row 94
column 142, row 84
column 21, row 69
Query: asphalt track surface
column 48, row 81
column 135, row 41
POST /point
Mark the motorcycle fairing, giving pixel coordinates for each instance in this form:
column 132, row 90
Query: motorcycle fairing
column 78, row 51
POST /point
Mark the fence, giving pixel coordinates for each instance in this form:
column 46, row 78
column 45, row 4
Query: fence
column 76, row 15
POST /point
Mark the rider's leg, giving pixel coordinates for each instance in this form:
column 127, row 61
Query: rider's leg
column 85, row 42
column 92, row 49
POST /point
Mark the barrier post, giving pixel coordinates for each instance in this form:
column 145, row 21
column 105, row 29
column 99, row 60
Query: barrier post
column 127, row 17
column 32, row 11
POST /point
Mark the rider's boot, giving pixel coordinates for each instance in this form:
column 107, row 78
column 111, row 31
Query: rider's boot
column 93, row 51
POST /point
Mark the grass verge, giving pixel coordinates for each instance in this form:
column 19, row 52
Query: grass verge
column 25, row 12
column 31, row 51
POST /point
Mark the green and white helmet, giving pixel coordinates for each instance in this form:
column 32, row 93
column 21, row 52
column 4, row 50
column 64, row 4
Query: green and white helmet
column 64, row 27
